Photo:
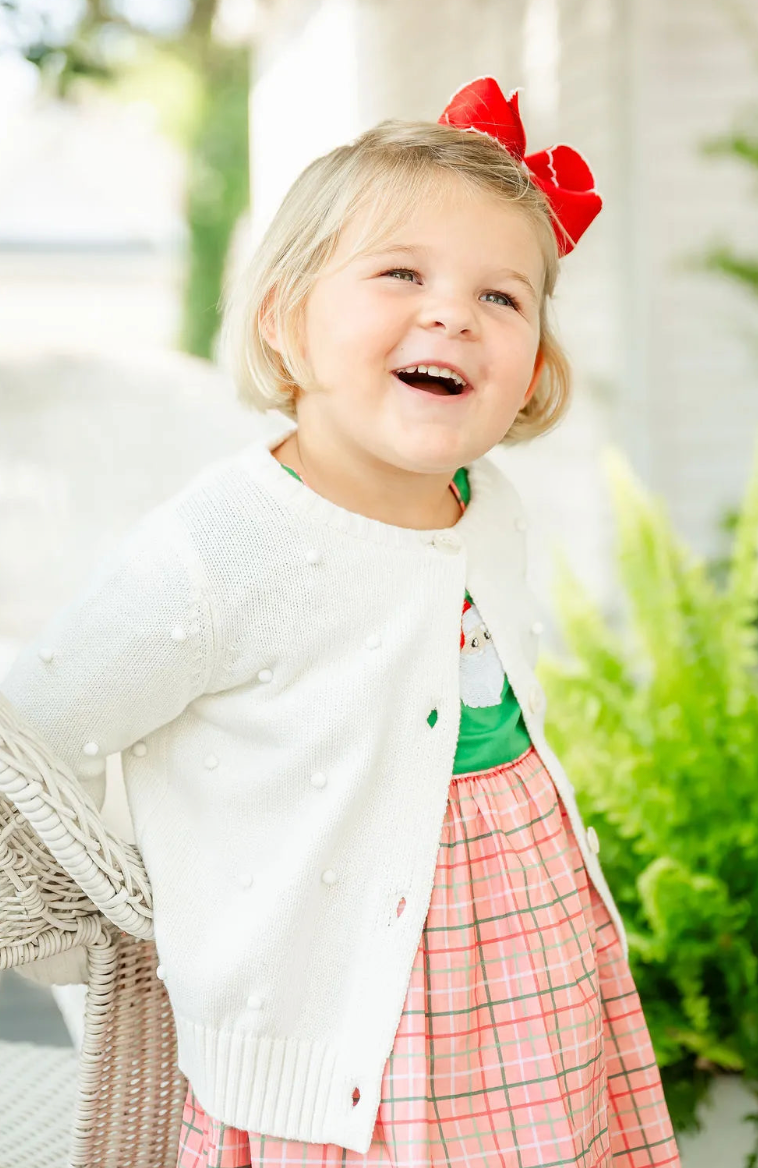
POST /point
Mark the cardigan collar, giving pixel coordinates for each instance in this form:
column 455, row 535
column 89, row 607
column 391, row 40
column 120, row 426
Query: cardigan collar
column 481, row 514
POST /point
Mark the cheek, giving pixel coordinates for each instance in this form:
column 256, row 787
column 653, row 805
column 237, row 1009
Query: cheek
column 352, row 333
column 335, row 324
column 520, row 345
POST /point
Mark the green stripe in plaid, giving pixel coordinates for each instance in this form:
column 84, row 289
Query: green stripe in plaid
column 522, row 1042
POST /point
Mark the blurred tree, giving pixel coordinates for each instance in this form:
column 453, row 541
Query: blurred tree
column 168, row 54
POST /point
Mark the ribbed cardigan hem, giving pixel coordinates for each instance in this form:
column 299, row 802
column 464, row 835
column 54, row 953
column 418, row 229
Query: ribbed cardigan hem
column 288, row 1088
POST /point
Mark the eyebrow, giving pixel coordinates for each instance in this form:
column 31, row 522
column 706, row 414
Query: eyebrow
column 418, row 249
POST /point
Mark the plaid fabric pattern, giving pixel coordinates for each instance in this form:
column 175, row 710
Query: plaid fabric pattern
column 522, row 1042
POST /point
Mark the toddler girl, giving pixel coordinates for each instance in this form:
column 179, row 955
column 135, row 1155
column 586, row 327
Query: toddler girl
column 382, row 926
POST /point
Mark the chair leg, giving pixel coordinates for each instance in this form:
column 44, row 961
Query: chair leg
column 131, row 1092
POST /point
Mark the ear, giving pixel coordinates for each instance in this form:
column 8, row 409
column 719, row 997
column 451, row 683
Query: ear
column 266, row 321
column 539, row 365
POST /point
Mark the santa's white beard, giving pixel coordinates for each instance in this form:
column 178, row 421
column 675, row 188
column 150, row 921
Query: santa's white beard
column 482, row 677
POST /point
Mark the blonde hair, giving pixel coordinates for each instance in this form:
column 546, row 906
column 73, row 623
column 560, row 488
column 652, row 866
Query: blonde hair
column 386, row 170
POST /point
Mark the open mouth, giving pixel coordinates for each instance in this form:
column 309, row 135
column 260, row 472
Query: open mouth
column 442, row 386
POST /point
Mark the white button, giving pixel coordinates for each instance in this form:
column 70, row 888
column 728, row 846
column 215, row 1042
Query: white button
column 426, row 537
column 592, row 840
column 520, row 523
column 445, row 541
column 178, row 634
column 139, row 749
column 538, row 628
column 210, row 762
column 535, row 699
column 160, row 972
column 374, row 641
column 318, row 780
column 245, row 879
column 328, row 876
column 265, row 675
column 255, row 1001
column 91, row 749
column 45, row 655
column 313, row 555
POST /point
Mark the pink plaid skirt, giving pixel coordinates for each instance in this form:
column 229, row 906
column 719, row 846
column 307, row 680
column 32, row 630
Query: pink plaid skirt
column 522, row 1042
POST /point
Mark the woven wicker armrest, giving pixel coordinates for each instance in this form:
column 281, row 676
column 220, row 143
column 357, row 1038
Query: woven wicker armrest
column 57, row 857
column 61, row 873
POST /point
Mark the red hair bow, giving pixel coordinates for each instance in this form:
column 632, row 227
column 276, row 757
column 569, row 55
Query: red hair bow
column 560, row 172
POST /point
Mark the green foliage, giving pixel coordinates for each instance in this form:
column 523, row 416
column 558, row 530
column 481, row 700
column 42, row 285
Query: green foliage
column 657, row 722
column 740, row 145
column 200, row 89
column 218, row 192
column 727, row 262
column 171, row 84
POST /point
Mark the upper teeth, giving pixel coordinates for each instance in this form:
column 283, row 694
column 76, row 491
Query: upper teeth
column 435, row 371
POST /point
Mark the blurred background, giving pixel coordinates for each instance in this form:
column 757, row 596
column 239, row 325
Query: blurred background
column 144, row 148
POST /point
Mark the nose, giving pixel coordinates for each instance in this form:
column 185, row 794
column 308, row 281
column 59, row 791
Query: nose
column 450, row 314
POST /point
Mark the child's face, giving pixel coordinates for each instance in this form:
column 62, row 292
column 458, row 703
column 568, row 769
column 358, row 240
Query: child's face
column 473, row 302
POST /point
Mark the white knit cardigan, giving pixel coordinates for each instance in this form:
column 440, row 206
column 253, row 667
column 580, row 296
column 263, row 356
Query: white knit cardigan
column 267, row 661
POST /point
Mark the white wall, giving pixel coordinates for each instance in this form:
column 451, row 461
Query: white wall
column 697, row 71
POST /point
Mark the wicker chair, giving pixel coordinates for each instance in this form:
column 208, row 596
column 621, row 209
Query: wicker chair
column 67, row 881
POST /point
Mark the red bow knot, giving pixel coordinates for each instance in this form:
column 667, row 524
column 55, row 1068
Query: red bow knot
column 560, row 172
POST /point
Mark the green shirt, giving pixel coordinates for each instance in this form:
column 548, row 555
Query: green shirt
column 492, row 729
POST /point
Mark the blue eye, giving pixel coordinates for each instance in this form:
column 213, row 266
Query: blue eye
column 503, row 296
column 509, row 300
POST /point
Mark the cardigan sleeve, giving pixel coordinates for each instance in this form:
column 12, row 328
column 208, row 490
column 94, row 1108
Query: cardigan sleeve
column 125, row 657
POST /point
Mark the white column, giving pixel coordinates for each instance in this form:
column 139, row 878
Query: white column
column 305, row 96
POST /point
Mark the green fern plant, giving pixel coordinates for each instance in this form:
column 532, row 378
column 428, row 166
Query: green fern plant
column 656, row 718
